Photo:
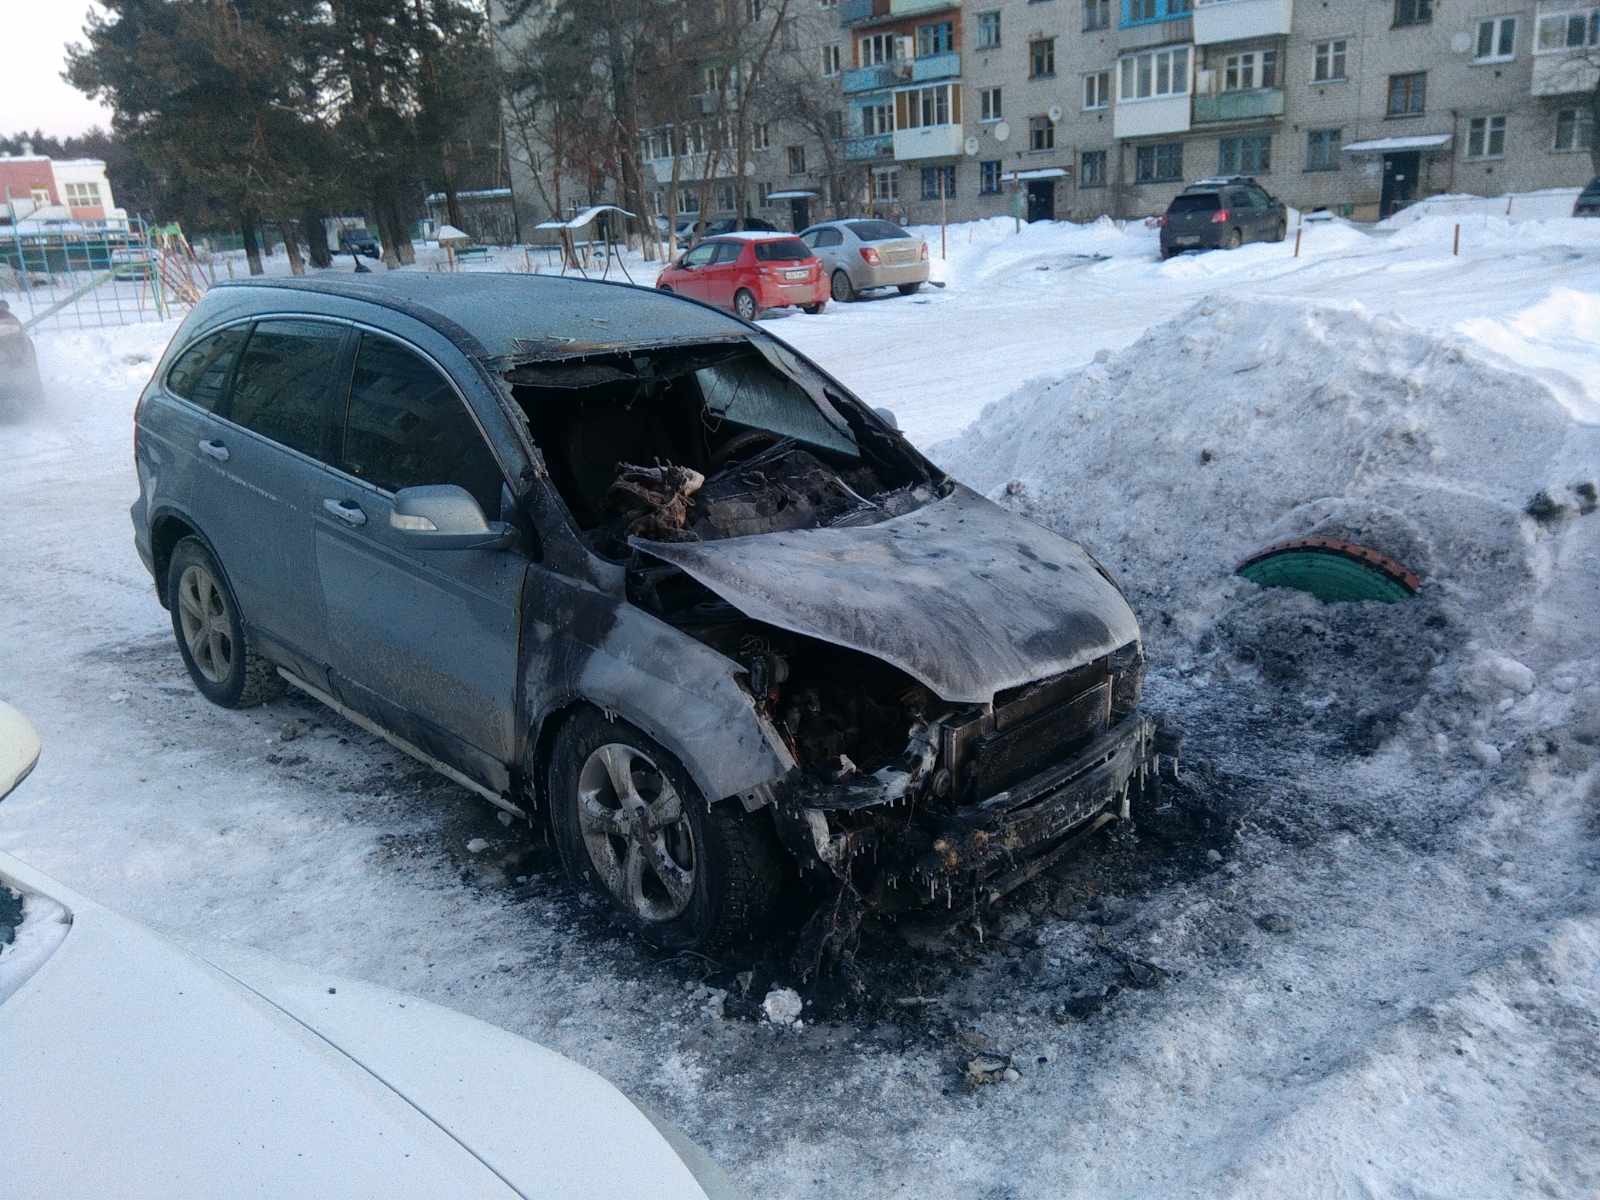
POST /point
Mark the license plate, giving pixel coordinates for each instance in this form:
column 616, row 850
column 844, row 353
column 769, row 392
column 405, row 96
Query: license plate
column 796, row 274
column 1187, row 241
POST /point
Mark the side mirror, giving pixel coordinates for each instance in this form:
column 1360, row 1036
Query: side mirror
column 442, row 516
column 19, row 748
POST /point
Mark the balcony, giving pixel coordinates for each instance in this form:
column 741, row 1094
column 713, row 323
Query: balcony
column 874, row 79
column 1147, row 118
column 935, row 66
column 916, row 8
column 1239, row 106
column 1564, row 74
column 853, row 12
column 927, row 141
column 862, row 148
column 1235, row 20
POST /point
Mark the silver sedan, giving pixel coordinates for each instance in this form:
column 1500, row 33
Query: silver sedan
column 865, row 253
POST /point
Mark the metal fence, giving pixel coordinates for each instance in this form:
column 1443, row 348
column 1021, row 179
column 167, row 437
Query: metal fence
column 86, row 274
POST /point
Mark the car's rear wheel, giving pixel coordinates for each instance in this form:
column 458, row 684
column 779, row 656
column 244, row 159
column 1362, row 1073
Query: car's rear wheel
column 842, row 289
column 910, row 289
column 744, row 304
column 814, row 309
column 211, row 634
column 1283, row 231
column 1233, row 241
column 633, row 829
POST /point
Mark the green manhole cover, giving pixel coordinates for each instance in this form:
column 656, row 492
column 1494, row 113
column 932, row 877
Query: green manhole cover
column 1331, row 570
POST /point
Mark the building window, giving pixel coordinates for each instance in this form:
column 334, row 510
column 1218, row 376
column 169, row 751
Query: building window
column 797, row 160
column 936, row 178
column 1574, row 129
column 1092, row 172
column 1041, row 58
column 833, row 121
column 1160, row 163
column 939, row 105
column 1328, row 62
column 878, row 48
column 688, row 201
column 658, row 143
column 1248, row 71
column 1497, row 40
column 1137, row 12
column 764, row 195
column 1486, row 137
column 1408, row 94
column 939, row 38
column 725, row 197
column 752, row 11
column 83, row 195
column 885, row 184
column 761, row 137
column 989, row 105
column 824, row 4
column 1097, row 90
column 1569, row 31
column 1163, row 73
column 789, row 35
column 1041, row 134
column 1096, row 15
column 1250, row 154
column 989, row 30
column 1322, row 149
column 877, row 119
column 989, row 178
column 831, row 57
column 1413, row 12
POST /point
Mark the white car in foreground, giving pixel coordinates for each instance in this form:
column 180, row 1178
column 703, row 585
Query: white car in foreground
column 132, row 1067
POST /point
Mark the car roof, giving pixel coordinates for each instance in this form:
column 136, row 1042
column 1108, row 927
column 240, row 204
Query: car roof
column 520, row 316
column 750, row 235
column 1206, row 185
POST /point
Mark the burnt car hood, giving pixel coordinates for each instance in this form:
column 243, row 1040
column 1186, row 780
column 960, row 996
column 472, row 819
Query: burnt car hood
column 960, row 594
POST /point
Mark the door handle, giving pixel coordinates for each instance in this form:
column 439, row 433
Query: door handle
column 347, row 511
column 215, row 449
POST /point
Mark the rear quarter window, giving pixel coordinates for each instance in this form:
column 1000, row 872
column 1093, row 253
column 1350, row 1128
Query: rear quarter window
column 202, row 371
column 785, row 250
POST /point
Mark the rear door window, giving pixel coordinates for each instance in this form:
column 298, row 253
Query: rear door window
column 829, row 237
column 202, row 371
column 284, row 383
column 727, row 252
column 1194, row 203
column 406, row 427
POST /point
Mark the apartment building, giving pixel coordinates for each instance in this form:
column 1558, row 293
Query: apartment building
column 39, row 187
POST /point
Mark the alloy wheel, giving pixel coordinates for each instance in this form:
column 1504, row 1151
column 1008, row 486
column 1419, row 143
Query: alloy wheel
column 207, row 626
column 745, row 305
column 637, row 833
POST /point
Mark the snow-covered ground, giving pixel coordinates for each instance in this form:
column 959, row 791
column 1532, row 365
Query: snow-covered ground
column 1358, row 955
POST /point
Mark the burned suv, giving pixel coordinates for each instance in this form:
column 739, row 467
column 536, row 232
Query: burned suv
column 623, row 563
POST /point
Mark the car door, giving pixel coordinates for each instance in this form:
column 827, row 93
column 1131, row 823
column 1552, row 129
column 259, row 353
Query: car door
column 694, row 265
column 827, row 244
column 1273, row 214
column 722, row 276
column 262, row 457
column 424, row 641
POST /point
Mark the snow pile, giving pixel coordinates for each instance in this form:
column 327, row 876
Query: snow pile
column 1245, row 422
column 1555, row 340
column 1522, row 206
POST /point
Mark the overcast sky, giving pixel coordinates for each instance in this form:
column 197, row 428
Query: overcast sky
column 32, row 93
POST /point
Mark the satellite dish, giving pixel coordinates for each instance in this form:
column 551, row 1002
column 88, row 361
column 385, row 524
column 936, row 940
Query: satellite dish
column 749, row 168
column 1055, row 113
column 1461, row 43
column 1001, row 131
column 972, row 147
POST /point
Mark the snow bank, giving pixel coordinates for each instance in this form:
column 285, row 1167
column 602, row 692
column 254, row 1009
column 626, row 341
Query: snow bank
column 1243, row 422
column 1520, row 206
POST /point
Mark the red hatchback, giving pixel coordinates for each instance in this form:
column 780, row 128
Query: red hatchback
column 19, row 367
column 748, row 272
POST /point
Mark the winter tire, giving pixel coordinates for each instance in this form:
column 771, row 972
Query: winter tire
column 633, row 829
column 211, row 635
column 664, row 288
column 1283, row 231
column 910, row 289
column 843, row 290
column 1233, row 241
column 812, row 310
column 744, row 305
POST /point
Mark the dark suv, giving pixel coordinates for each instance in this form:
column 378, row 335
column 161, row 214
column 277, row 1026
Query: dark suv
column 623, row 563
column 1222, row 214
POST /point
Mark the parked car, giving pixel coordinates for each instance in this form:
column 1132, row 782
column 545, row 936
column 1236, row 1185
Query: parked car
column 359, row 241
column 748, row 273
column 1588, row 201
column 688, row 231
column 136, row 1067
column 621, row 563
column 1222, row 214
column 20, row 383
column 862, row 254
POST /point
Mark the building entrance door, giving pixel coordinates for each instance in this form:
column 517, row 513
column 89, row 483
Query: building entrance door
column 800, row 211
column 1041, row 200
column 1400, row 173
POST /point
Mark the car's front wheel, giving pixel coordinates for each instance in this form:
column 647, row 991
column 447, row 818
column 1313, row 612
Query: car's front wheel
column 744, row 305
column 843, row 290
column 664, row 287
column 211, row 634
column 632, row 828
